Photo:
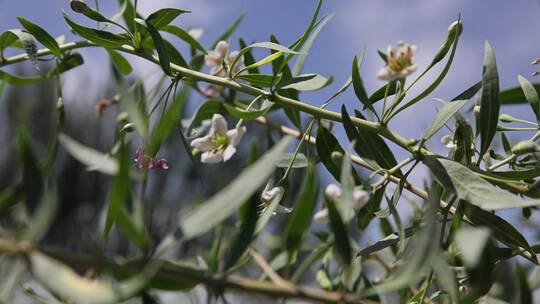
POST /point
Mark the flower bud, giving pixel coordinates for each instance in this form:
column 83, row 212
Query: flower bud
column 122, row 117
column 524, row 147
column 507, row 118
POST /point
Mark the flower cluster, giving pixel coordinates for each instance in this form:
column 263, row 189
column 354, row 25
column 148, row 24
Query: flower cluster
column 145, row 161
column 219, row 59
column 333, row 192
column 398, row 62
column 220, row 143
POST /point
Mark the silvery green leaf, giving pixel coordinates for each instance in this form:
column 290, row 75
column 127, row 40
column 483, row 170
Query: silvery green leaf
column 471, row 243
column 93, row 159
column 444, row 114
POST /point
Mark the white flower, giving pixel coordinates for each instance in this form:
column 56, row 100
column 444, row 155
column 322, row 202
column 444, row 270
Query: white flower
column 196, row 32
column 220, row 143
column 219, row 55
column 269, row 194
column 399, row 62
column 333, row 192
column 448, row 142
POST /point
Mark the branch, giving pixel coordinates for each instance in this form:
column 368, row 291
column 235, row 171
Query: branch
column 181, row 276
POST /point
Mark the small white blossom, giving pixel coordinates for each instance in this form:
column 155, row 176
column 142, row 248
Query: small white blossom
column 334, row 192
column 196, row 32
column 448, row 142
column 215, row 59
column 399, row 62
column 269, row 194
column 220, row 143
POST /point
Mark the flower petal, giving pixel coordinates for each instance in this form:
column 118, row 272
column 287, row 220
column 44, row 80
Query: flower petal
column 321, row 216
column 221, row 49
column 212, row 157
column 235, row 135
column 203, row 143
column 229, row 152
column 333, row 191
column 386, row 73
column 219, row 124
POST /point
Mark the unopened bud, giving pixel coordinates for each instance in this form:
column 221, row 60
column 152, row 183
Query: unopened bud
column 524, row 147
column 456, row 26
column 60, row 104
column 337, row 157
column 507, row 118
column 122, row 117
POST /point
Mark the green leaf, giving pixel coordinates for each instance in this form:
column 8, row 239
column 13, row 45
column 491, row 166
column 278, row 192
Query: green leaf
column 164, row 59
column 185, row 36
column 326, row 145
column 42, row 36
column 221, row 205
column 502, row 230
column 127, row 12
column 18, row 80
column 21, row 39
column 268, row 213
column 490, row 104
column 445, row 113
column 347, row 205
column 93, row 159
column 164, row 16
column 369, row 145
column 446, row 276
column 32, row 176
column 531, row 94
column 229, row 31
column 118, row 198
column 246, row 114
column 259, row 63
column 120, row 62
column 366, row 214
column 379, row 94
column 266, row 45
column 358, row 85
column 472, row 188
column 300, row 219
column 471, row 243
column 246, row 233
column 102, row 38
column 259, row 80
column 306, row 82
column 205, row 111
column 81, row 7
column 470, row 92
column 300, row 161
column 341, row 238
column 386, row 242
column 515, row 95
column 299, row 64
column 136, row 114
column 525, row 292
column 8, row 39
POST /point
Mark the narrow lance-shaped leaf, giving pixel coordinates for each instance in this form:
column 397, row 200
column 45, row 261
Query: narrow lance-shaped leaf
column 102, row 38
column 164, row 16
column 358, row 85
column 341, row 238
column 448, row 110
column 472, row 188
column 300, row 219
column 307, row 82
column 369, row 145
column 120, row 62
column 266, row 45
column 81, row 7
column 93, row 159
column 515, row 95
column 531, row 95
column 299, row 64
column 347, row 203
column 185, row 36
column 42, row 36
column 164, row 59
column 221, row 205
column 490, row 105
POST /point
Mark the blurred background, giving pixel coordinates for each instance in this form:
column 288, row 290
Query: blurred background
column 511, row 27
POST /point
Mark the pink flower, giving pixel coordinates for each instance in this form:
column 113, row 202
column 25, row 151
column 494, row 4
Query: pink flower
column 142, row 160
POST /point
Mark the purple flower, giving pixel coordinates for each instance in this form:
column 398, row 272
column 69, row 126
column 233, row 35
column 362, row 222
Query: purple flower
column 142, row 160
